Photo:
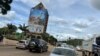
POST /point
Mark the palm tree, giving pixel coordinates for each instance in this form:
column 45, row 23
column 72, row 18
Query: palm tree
column 24, row 29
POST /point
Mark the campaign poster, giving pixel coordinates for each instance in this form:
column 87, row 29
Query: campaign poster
column 38, row 19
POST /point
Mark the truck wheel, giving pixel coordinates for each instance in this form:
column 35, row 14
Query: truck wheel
column 46, row 50
column 95, row 54
column 16, row 47
column 40, row 50
column 30, row 50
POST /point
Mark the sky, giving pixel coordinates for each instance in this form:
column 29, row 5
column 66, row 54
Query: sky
column 67, row 18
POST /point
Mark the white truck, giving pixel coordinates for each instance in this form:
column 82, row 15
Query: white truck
column 92, row 45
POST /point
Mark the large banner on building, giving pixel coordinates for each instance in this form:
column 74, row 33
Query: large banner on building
column 38, row 19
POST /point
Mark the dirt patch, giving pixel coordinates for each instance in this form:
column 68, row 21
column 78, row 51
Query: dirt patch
column 9, row 42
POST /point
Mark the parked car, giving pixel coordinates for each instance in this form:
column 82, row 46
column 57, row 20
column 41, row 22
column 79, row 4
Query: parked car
column 63, row 51
column 22, row 44
column 35, row 45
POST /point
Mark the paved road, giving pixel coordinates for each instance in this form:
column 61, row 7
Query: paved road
column 12, row 51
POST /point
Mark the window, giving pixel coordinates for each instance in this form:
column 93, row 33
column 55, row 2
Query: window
column 21, row 42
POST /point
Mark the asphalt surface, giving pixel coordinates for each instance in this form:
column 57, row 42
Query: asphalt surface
column 12, row 51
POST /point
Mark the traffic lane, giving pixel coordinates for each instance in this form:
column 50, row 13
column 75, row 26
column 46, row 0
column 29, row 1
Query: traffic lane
column 12, row 51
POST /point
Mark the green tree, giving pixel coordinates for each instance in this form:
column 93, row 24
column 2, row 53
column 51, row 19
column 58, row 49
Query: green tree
column 74, row 42
column 49, row 38
column 5, row 6
column 52, row 40
column 10, row 31
column 45, row 36
column 11, row 28
column 4, row 30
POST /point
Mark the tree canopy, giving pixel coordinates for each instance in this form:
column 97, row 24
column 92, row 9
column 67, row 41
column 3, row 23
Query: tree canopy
column 74, row 42
column 11, row 28
column 5, row 6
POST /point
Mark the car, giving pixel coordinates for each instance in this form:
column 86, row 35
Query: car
column 63, row 51
column 64, row 45
column 34, row 45
column 22, row 44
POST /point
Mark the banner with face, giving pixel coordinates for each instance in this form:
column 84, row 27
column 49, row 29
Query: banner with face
column 38, row 19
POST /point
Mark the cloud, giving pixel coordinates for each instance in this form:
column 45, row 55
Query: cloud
column 19, row 31
column 60, row 3
column 58, row 7
column 82, row 23
column 65, row 36
column 78, row 30
column 91, row 19
column 9, row 16
column 78, row 26
column 57, row 20
column 3, row 23
column 20, row 21
column 69, row 35
column 58, row 24
column 67, row 2
column 29, row 2
column 62, row 36
column 5, row 19
column 94, row 21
